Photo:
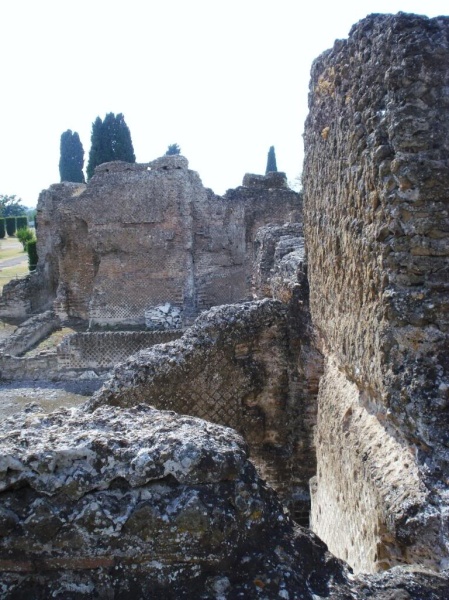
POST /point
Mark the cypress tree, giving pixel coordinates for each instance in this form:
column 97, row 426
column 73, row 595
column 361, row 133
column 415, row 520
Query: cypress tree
column 96, row 151
column 271, row 161
column 71, row 161
column 123, row 147
column 108, row 137
column 110, row 140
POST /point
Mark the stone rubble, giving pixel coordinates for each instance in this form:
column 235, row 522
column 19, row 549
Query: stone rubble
column 133, row 503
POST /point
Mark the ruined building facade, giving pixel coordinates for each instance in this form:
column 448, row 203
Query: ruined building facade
column 147, row 245
column 332, row 362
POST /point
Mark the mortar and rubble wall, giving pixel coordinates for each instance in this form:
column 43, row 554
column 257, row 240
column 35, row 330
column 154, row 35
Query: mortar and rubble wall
column 237, row 366
column 376, row 221
column 147, row 245
column 101, row 483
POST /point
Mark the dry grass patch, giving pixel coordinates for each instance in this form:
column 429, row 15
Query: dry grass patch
column 51, row 341
column 8, row 273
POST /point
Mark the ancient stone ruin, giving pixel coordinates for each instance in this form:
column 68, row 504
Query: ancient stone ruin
column 148, row 245
column 275, row 348
column 376, row 223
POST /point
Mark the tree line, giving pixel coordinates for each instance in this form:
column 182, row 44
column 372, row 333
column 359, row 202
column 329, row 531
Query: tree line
column 110, row 140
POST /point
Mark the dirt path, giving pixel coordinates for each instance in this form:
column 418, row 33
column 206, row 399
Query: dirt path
column 12, row 262
column 12, row 246
column 14, row 396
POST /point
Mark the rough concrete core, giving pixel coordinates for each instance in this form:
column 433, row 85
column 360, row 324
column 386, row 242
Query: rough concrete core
column 117, row 499
column 129, row 503
column 376, row 223
column 237, row 366
column 139, row 238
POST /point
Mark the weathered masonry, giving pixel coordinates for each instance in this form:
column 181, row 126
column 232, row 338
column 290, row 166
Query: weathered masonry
column 376, row 223
column 336, row 371
column 147, row 245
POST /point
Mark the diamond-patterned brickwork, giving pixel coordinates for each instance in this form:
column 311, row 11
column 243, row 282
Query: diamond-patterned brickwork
column 103, row 350
column 234, row 367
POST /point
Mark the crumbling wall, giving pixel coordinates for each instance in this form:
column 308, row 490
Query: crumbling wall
column 29, row 333
column 376, row 222
column 15, row 301
column 41, row 367
column 141, row 237
column 235, row 367
column 102, row 350
column 280, row 272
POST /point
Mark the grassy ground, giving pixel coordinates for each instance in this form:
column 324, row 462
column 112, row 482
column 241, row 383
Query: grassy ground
column 6, row 329
column 10, row 251
column 12, row 248
column 51, row 341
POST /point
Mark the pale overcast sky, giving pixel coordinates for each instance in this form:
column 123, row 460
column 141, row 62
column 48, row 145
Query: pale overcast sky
column 223, row 79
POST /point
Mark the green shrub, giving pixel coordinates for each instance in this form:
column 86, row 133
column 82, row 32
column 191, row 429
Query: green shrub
column 10, row 225
column 25, row 235
column 2, row 228
column 32, row 255
column 21, row 222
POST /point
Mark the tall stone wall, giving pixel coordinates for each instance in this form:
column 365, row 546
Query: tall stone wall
column 141, row 237
column 376, row 178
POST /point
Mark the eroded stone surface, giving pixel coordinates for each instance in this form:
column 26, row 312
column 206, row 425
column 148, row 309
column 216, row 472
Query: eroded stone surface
column 139, row 237
column 29, row 333
column 236, row 367
column 127, row 503
column 376, row 224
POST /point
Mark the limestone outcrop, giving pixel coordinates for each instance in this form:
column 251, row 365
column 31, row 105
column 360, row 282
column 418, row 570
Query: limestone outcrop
column 376, row 223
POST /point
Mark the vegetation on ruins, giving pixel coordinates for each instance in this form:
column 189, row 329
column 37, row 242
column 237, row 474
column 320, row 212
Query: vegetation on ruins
column 110, row 140
column 173, row 149
column 71, row 160
column 271, row 161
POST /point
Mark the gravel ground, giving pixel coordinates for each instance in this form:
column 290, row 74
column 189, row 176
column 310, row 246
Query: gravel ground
column 16, row 395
